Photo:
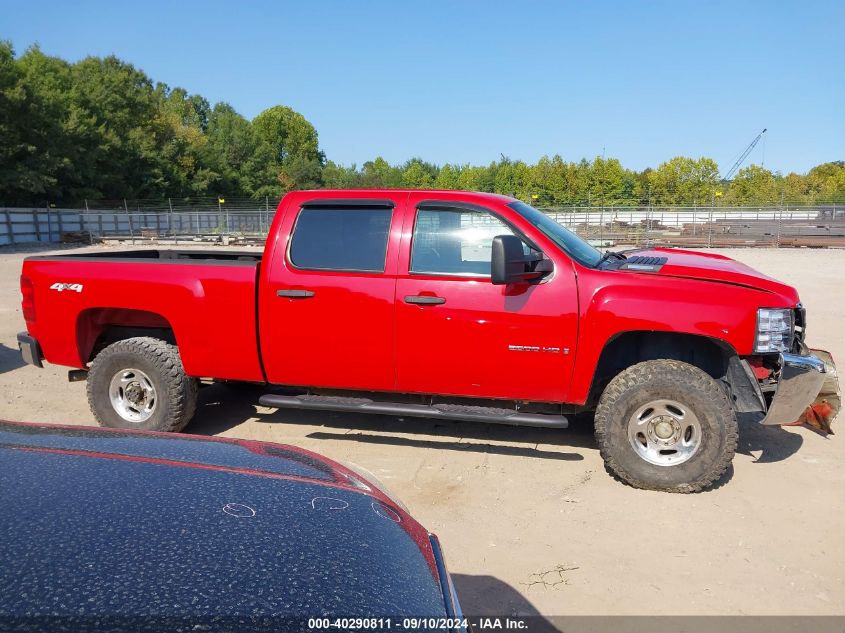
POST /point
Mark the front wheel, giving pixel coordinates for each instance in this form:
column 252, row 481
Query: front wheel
column 666, row 425
column 139, row 383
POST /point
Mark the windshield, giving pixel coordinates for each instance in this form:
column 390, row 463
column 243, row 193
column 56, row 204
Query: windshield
column 572, row 245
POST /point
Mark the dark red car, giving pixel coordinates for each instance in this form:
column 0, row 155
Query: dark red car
column 128, row 530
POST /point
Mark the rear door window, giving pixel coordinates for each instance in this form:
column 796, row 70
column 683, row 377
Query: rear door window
column 341, row 239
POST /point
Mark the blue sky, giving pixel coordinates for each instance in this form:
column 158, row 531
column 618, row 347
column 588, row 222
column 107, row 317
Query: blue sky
column 468, row 81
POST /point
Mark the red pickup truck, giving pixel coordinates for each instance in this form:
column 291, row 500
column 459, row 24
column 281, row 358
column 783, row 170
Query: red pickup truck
column 439, row 304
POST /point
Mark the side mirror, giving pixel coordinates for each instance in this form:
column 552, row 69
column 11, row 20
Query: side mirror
column 509, row 264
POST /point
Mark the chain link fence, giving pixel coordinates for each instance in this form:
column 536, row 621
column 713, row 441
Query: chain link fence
column 248, row 221
column 706, row 226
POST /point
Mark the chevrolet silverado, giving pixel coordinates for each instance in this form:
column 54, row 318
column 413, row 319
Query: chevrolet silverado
column 440, row 304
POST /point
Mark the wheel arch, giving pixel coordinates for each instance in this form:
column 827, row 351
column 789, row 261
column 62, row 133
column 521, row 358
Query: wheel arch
column 98, row 327
column 624, row 349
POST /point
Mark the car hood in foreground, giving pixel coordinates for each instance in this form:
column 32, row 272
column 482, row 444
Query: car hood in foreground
column 146, row 525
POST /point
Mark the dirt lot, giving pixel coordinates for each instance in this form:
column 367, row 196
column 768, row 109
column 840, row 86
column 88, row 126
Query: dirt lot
column 530, row 520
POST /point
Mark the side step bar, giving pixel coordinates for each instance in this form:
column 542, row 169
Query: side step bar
column 490, row 415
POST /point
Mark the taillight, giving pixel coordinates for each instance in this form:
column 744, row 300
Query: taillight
column 28, row 300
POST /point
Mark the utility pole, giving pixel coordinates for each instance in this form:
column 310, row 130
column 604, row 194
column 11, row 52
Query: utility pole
column 694, row 205
column 170, row 217
column 129, row 217
column 710, row 221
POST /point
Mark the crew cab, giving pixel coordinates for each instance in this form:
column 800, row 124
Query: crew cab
column 443, row 304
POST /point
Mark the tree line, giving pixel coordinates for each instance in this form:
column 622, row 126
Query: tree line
column 102, row 129
column 604, row 181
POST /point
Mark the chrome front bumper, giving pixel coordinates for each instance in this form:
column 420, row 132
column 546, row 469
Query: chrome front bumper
column 802, row 378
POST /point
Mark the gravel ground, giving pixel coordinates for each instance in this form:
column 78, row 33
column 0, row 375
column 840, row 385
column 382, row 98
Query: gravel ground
column 530, row 521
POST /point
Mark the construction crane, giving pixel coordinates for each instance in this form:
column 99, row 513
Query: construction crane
column 742, row 157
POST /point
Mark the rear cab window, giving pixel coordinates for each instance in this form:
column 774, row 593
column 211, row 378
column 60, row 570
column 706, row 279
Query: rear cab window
column 341, row 238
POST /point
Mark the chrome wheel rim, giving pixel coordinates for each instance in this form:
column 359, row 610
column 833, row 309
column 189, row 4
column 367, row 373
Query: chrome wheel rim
column 132, row 395
column 664, row 432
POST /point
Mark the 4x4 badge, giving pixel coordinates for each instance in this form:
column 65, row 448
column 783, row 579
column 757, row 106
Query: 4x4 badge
column 61, row 287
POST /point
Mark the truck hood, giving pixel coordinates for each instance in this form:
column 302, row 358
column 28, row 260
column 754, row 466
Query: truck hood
column 716, row 268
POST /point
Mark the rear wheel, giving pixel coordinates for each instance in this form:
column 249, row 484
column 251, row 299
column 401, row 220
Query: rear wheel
column 666, row 425
column 139, row 383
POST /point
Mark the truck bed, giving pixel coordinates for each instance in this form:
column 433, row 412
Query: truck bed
column 206, row 299
column 167, row 255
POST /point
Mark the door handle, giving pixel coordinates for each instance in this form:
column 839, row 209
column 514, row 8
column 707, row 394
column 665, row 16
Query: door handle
column 295, row 294
column 424, row 300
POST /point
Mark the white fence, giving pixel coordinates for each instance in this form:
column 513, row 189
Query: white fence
column 606, row 226
column 28, row 226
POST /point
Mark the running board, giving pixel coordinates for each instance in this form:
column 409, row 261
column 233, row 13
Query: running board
column 490, row 415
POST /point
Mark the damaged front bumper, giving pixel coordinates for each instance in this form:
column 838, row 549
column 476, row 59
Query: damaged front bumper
column 807, row 391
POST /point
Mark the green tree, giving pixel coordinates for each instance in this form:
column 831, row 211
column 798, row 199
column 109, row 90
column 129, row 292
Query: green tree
column 115, row 108
column 476, row 178
column 448, row 177
column 179, row 147
column 826, row 182
column 833, row 189
column 380, row 173
column 684, row 181
column 753, row 185
column 512, row 178
column 101, row 128
column 286, row 155
column 582, row 181
column 799, row 189
column 229, row 148
column 339, row 177
column 27, row 129
column 610, row 183
column 418, row 174
column 551, row 180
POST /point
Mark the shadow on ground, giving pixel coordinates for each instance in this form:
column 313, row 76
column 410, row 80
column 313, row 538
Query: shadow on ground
column 467, row 447
column 222, row 407
column 489, row 596
column 10, row 359
column 774, row 443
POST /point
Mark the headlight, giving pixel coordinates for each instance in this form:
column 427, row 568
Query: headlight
column 775, row 330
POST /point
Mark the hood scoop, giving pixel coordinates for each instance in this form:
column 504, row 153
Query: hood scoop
column 642, row 263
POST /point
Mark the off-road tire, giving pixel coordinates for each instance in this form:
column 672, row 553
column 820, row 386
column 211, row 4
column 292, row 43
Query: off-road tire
column 684, row 383
column 176, row 392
